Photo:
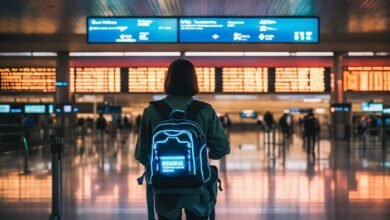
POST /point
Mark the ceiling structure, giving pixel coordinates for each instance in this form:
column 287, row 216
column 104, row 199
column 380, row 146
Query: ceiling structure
column 60, row 25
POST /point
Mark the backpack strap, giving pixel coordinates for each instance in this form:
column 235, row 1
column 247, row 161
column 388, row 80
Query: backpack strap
column 162, row 107
column 194, row 108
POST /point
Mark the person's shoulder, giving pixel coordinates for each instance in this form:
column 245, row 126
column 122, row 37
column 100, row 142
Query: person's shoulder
column 205, row 106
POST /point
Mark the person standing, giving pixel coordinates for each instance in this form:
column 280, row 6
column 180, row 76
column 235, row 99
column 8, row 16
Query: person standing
column 310, row 130
column 180, row 86
column 101, row 125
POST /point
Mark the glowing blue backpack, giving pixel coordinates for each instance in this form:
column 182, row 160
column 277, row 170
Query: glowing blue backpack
column 179, row 154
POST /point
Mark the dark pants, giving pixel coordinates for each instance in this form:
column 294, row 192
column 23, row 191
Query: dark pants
column 189, row 215
column 310, row 141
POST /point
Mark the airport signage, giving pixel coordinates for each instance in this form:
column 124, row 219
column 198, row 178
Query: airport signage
column 4, row 108
column 249, row 30
column 372, row 107
column 202, row 30
column 34, row 109
column 131, row 30
column 44, row 108
column 248, row 113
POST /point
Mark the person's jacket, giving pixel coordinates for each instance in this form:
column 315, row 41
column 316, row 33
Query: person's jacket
column 207, row 119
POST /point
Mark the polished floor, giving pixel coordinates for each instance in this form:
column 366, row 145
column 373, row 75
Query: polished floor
column 260, row 182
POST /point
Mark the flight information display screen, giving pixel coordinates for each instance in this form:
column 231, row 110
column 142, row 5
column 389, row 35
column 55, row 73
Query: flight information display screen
column 367, row 78
column 131, row 30
column 300, row 79
column 249, row 30
column 206, row 78
column 151, row 79
column 147, row 79
column 27, row 79
column 245, row 79
column 95, row 79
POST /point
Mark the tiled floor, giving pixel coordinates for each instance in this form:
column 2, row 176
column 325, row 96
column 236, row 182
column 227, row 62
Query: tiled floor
column 99, row 181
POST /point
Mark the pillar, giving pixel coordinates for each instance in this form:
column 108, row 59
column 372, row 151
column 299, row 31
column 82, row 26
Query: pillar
column 338, row 95
column 62, row 94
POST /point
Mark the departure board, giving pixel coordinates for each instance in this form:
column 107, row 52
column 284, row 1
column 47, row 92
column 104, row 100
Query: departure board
column 27, row 79
column 151, row 79
column 95, row 80
column 300, row 79
column 245, row 79
column 147, row 79
column 206, row 78
column 367, row 78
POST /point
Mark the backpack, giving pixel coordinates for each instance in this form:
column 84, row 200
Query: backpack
column 179, row 153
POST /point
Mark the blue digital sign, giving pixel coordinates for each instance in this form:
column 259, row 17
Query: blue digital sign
column 372, row 107
column 35, row 109
column 4, row 108
column 249, row 30
column 131, row 30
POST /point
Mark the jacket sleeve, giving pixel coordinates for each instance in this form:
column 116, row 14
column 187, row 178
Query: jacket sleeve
column 142, row 149
column 216, row 138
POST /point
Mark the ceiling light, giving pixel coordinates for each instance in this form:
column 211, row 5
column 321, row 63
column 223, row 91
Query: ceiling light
column 276, row 54
column 212, row 54
column 360, row 54
column 316, row 54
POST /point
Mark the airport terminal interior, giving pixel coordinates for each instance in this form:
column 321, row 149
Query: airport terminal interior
column 266, row 67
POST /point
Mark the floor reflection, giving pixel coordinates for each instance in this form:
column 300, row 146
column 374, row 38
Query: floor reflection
column 260, row 182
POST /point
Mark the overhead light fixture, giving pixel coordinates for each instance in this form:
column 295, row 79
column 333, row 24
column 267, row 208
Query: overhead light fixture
column 153, row 54
column 265, row 54
column 44, row 54
column 28, row 54
column 360, row 54
column 15, row 54
column 96, row 54
column 123, row 54
column 315, row 54
column 320, row 111
column 312, row 100
column 214, row 54
column 382, row 54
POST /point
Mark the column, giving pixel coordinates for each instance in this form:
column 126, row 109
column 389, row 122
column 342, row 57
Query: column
column 337, row 95
column 62, row 94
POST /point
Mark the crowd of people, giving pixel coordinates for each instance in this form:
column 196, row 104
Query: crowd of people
column 309, row 127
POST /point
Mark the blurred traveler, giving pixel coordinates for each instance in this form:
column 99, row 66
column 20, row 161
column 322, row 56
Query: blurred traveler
column 311, row 129
column 101, row 124
column 80, row 125
column 269, row 121
column 362, row 127
column 373, row 126
column 285, row 123
column 137, row 123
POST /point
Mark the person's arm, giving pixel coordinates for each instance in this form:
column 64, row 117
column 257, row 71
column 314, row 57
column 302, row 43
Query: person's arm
column 216, row 138
column 142, row 149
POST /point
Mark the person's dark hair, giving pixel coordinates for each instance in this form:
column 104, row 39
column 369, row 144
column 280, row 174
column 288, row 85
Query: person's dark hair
column 181, row 79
